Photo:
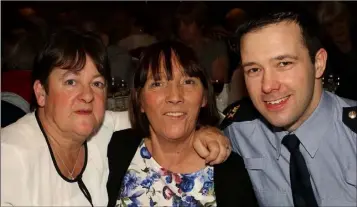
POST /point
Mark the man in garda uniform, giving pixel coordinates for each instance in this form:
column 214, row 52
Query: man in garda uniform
column 298, row 141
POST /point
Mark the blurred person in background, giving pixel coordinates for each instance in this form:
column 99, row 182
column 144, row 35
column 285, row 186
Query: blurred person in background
column 138, row 36
column 340, row 39
column 20, row 49
column 191, row 22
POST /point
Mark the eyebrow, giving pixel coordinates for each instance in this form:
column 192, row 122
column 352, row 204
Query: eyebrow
column 76, row 73
column 279, row 57
column 248, row 64
column 282, row 57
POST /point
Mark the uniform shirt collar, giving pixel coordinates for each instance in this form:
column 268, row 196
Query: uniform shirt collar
column 311, row 132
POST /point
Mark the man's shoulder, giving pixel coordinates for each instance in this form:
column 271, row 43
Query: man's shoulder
column 346, row 111
column 239, row 111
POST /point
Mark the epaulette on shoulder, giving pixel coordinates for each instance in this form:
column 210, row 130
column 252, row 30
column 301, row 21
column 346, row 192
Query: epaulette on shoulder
column 349, row 118
column 239, row 111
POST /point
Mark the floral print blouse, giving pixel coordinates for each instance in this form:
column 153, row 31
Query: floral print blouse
column 146, row 183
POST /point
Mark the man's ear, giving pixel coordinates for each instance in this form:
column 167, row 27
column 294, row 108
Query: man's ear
column 40, row 93
column 320, row 62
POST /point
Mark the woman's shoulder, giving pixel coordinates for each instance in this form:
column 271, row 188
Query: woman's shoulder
column 24, row 133
column 124, row 142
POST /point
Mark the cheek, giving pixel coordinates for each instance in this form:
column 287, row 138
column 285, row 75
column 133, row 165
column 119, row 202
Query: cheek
column 151, row 101
column 253, row 86
column 61, row 100
column 99, row 103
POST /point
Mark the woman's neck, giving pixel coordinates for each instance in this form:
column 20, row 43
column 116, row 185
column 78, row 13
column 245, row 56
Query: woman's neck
column 67, row 142
column 177, row 156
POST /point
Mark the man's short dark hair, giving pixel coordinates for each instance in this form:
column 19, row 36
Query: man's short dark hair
column 151, row 61
column 306, row 23
column 67, row 49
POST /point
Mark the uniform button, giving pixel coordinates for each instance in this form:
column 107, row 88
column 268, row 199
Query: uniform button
column 352, row 114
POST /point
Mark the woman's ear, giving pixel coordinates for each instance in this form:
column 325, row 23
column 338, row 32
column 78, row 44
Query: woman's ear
column 204, row 100
column 40, row 93
column 320, row 62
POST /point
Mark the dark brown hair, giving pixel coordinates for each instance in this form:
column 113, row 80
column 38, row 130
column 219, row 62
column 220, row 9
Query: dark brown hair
column 151, row 61
column 307, row 26
column 67, row 49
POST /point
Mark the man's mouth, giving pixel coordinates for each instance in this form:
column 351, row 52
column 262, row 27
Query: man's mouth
column 277, row 104
column 277, row 101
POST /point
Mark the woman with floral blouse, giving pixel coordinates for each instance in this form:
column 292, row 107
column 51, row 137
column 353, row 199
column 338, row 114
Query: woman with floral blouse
column 158, row 165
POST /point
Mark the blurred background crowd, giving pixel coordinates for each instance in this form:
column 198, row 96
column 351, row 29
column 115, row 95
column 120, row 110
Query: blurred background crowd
column 126, row 28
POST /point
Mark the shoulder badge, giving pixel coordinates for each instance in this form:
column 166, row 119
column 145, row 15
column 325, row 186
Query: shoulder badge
column 349, row 118
column 239, row 111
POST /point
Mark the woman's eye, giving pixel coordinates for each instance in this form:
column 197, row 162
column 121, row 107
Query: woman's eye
column 99, row 84
column 70, row 82
column 155, row 84
column 189, row 81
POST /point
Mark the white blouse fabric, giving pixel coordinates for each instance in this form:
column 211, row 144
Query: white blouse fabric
column 28, row 173
column 146, row 183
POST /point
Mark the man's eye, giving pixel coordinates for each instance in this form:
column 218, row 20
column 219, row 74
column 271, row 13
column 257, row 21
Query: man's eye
column 99, row 84
column 283, row 64
column 253, row 70
column 70, row 82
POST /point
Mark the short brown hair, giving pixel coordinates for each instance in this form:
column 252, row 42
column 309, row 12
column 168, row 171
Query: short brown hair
column 151, row 62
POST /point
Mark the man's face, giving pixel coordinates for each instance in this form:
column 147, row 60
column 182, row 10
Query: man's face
column 281, row 79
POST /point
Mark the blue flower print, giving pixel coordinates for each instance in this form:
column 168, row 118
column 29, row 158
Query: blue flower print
column 134, row 198
column 207, row 186
column 155, row 175
column 133, row 205
column 188, row 201
column 168, row 179
column 147, row 183
column 144, row 152
column 130, row 182
column 186, row 184
column 152, row 203
column 210, row 174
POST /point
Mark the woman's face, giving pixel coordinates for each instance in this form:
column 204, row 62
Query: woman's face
column 75, row 102
column 172, row 106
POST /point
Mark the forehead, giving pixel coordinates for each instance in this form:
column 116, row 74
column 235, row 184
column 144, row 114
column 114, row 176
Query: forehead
column 176, row 69
column 272, row 41
column 89, row 69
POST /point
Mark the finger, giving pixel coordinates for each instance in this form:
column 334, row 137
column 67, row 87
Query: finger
column 221, row 155
column 214, row 150
column 200, row 148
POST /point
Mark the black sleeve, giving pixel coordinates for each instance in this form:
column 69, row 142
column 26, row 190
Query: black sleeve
column 232, row 183
column 121, row 150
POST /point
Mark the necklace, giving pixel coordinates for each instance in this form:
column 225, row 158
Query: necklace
column 67, row 168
